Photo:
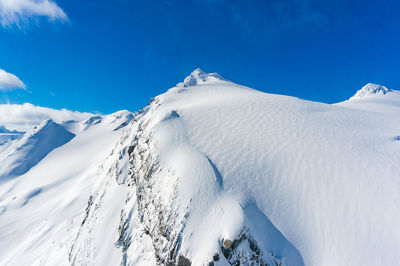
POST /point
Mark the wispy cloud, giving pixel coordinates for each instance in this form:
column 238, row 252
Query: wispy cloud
column 23, row 117
column 21, row 11
column 10, row 81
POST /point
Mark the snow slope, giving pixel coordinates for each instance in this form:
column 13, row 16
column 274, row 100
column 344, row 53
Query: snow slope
column 42, row 209
column 375, row 98
column 220, row 172
column 19, row 156
column 214, row 172
column 370, row 89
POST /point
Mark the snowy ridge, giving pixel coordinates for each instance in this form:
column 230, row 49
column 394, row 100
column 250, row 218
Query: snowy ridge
column 194, row 195
column 157, row 209
column 214, row 174
column 19, row 156
column 375, row 98
column 42, row 210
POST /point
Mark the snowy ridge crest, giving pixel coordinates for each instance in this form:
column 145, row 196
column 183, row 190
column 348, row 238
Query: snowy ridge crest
column 371, row 89
column 20, row 156
column 198, row 76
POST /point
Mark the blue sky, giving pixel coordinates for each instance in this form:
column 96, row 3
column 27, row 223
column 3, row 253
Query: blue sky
column 103, row 56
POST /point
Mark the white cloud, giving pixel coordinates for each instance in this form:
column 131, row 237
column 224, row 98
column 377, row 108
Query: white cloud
column 17, row 11
column 10, row 81
column 23, row 117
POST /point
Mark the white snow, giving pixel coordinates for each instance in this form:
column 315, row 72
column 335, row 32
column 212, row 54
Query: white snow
column 205, row 164
column 325, row 176
column 42, row 210
column 375, row 98
column 19, row 156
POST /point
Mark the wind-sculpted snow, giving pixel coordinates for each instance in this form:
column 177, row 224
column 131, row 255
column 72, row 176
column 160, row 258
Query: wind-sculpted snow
column 214, row 173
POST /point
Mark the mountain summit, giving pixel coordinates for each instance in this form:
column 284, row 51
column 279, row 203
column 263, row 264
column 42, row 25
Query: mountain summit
column 198, row 77
column 371, row 89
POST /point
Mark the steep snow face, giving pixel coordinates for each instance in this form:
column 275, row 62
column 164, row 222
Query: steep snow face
column 42, row 210
column 375, row 98
column 19, row 156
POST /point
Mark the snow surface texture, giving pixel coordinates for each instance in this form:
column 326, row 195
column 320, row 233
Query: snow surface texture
column 214, row 172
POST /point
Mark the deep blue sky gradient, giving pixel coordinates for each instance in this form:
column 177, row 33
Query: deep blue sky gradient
column 114, row 55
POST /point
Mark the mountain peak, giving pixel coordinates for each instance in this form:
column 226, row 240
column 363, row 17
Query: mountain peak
column 3, row 129
column 370, row 89
column 47, row 129
column 33, row 147
column 198, row 76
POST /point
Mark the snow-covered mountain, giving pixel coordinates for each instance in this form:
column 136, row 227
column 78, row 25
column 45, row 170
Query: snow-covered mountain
column 371, row 89
column 19, row 156
column 375, row 98
column 3, row 129
column 7, row 135
column 214, row 173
